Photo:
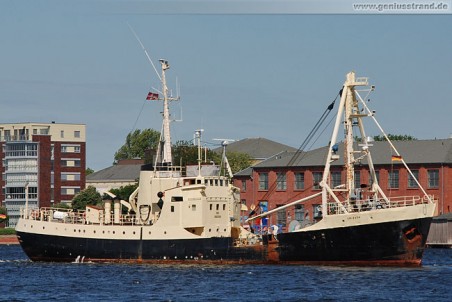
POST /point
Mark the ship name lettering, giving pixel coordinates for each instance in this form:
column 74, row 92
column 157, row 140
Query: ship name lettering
column 354, row 217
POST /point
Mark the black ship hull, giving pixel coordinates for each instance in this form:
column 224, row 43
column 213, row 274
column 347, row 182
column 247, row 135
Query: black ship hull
column 399, row 243
column 389, row 243
column 40, row 247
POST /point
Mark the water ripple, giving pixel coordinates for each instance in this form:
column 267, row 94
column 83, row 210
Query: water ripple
column 23, row 280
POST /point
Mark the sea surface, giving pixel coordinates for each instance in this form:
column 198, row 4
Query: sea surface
column 23, row 280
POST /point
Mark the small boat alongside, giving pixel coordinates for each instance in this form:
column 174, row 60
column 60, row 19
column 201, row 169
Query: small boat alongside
column 193, row 214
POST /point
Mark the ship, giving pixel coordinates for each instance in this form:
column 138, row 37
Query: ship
column 193, row 214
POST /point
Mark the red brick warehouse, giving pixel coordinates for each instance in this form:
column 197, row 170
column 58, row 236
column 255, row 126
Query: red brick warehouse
column 288, row 176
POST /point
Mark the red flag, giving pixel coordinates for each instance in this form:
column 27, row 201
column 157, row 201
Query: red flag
column 152, row 96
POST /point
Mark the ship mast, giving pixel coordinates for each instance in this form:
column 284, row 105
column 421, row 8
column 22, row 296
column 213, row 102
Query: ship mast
column 348, row 114
column 166, row 137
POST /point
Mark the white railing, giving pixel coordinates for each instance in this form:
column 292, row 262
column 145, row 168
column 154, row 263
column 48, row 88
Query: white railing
column 368, row 204
column 69, row 216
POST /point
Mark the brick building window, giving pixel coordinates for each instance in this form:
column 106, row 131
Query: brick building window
column 393, row 179
column 70, row 176
column 70, row 190
column 316, row 179
column 357, row 179
column 433, row 179
column 263, row 181
column 281, row 181
column 336, row 179
column 70, row 148
column 299, row 181
column 299, row 212
column 411, row 181
column 282, row 216
column 243, row 185
column 377, row 174
column 70, row 163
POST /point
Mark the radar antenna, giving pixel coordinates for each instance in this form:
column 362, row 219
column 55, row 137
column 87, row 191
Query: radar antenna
column 224, row 159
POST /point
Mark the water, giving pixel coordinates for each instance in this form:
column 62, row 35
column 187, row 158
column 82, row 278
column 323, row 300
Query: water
column 22, row 280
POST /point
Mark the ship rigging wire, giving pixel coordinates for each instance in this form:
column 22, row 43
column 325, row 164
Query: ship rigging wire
column 299, row 154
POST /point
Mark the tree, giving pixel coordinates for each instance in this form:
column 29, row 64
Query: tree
column 186, row 153
column 395, row 137
column 137, row 142
column 238, row 161
column 3, row 216
column 62, row 205
column 89, row 171
column 123, row 192
column 89, row 196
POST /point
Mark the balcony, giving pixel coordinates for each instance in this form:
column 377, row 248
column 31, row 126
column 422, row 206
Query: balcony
column 15, row 138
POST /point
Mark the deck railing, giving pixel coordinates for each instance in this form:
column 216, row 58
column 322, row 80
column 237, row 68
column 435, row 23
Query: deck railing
column 69, row 216
column 369, row 204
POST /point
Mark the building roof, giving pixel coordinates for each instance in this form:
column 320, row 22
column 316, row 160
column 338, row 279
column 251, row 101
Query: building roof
column 444, row 217
column 115, row 173
column 258, row 148
column 436, row 151
column 245, row 172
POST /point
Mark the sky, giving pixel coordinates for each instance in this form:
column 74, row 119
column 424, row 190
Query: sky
column 243, row 70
